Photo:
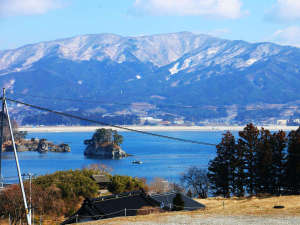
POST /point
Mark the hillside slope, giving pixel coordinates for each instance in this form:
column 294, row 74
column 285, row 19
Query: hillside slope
column 179, row 75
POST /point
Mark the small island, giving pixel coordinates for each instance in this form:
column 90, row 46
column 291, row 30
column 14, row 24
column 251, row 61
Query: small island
column 24, row 145
column 36, row 145
column 105, row 143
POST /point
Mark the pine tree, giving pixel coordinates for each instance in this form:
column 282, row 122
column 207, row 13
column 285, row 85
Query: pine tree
column 240, row 175
column 178, row 203
column 189, row 193
column 247, row 144
column 279, row 142
column 221, row 169
column 263, row 163
column 293, row 162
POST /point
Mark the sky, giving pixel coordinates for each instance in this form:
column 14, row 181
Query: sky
column 30, row 21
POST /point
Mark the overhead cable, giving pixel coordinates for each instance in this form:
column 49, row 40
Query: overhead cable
column 110, row 125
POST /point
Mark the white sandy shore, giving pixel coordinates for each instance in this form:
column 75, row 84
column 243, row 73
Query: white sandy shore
column 148, row 128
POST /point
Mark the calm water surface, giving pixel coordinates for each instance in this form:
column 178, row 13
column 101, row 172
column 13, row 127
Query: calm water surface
column 161, row 157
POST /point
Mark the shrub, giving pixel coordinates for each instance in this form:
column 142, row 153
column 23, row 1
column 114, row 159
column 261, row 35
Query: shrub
column 121, row 184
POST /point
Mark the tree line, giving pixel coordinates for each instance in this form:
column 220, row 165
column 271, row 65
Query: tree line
column 256, row 162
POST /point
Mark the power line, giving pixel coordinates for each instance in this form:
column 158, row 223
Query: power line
column 110, row 125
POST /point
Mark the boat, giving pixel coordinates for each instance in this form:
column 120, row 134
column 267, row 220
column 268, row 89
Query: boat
column 136, row 162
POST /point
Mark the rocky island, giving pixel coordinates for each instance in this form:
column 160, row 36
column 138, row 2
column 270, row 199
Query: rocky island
column 37, row 145
column 105, row 143
column 23, row 144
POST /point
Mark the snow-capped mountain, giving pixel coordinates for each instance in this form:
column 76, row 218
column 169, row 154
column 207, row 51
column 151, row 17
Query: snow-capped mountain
column 157, row 49
column 180, row 68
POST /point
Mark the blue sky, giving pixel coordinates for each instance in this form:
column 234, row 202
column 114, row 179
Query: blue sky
column 30, row 21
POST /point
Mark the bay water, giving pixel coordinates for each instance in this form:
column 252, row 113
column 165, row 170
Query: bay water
column 161, row 157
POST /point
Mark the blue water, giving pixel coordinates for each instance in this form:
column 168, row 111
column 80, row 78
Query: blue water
column 161, row 157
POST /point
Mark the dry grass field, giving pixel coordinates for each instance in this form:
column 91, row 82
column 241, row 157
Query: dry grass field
column 253, row 206
column 246, row 211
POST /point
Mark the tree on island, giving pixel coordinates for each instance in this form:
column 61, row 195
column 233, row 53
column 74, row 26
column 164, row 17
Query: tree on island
column 107, row 136
column 18, row 135
column 105, row 143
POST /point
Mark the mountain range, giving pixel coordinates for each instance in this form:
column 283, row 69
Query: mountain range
column 177, row 76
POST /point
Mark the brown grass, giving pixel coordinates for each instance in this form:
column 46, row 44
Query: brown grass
column 215, row 207
column 219, row 206
column 252, row 206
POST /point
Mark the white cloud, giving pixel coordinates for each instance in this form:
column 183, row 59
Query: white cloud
column 287, row 36
column 212, row 8
column 27, row 7
column 285, row 10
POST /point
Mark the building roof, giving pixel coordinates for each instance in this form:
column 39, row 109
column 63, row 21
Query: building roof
column 127, row 204
column 112, row 206
column 166, row 200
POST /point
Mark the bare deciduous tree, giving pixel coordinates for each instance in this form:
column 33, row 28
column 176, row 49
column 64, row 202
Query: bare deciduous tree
column 100, row 168
column 159, row 185
column 195, row 179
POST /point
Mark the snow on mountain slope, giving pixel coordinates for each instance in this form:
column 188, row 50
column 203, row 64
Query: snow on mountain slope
column 227, row 54
column 157, row 49
column 181, row 68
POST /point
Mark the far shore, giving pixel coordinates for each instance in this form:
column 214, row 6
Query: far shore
column 50, row 129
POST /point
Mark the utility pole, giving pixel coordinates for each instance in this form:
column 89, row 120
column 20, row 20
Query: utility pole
column 33, row 216
column 1, row 143
column 4, row 106
column 30, row 198
column 30, row 203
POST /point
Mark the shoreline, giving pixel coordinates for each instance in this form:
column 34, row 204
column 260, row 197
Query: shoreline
column 53, row 129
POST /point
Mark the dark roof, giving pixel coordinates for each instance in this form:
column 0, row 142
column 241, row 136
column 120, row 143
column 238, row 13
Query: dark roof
column 166, row 200
column 115, row 205
column 112, row 206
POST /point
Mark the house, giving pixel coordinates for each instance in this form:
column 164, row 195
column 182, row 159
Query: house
column 127, row 204
column 166, row 201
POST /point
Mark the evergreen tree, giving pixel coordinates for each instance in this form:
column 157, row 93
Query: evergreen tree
column 189, row 193
column 222, row 168
column 293, row 162
column 240, row 175
column 263, row 163
column 178, row 203
column 118, row 139
column 247, row 144
column 105, row 136
column 279, row 142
